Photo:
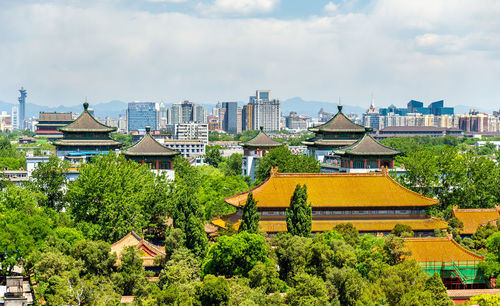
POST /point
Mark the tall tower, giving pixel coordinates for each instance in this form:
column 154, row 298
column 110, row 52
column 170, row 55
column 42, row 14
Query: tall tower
column 22, row 108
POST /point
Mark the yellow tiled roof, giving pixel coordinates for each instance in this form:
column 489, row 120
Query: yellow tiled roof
column 473, row 218
column 132, row 239
column 334, row 190
column 361, row 225
column 439, row 249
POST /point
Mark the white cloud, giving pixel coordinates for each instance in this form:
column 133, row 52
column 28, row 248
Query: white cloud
column 331, row 8
column 63, row 53
column 238, row 7
column 167, row 1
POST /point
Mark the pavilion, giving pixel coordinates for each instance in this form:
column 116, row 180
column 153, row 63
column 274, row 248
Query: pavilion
column 255, row 149
column 373, row 202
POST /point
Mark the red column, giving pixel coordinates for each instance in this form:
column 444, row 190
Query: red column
column 352, row 164
column 157, row 164
column 142, row 162
column 378, row 163
column 365, row 163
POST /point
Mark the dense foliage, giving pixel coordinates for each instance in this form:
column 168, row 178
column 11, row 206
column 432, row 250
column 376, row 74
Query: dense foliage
column 62, row 235
column 286, row 162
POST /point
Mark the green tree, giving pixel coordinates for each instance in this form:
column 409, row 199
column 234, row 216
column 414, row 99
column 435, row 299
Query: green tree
column 434, row 285
column 181, row 270
column 348, row 232
column 113, row 196
column 402, row 230
column 308, row 290
column 286, row 162
column 299, row 214
column 235, row 255
column 213, row 156
column 394, row 250
column 232, row 165
column 131, row 277
column 96, row 257
column 265, row 276
column 49, row 179
column 292, row 254
column 213, row 291
column 250, row 218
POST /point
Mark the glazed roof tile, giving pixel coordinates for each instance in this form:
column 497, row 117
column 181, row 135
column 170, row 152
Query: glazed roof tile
column 148, row 146
column 473, row 218
column 367, row 146
column 87, row 142
column 334, row 190
column 339, row 123
column 133, row 239
column 55, row 117
column 86, row 123
column 261, row 140
column 439, row 249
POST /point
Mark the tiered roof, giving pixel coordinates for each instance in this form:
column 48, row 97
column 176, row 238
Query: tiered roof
column 346, row 190
column 86, row 123
column 473, row 218
column 148, row 146
column 148, row 250
column 439, row 249
column 261, row 140
column 367, row 146
column 338, row 124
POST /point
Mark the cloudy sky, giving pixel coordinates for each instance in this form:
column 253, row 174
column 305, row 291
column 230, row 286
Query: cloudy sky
column 209, row 50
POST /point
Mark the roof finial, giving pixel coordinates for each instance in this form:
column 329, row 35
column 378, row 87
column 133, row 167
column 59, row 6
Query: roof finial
column 340, row 106
column 148, row 129
column 261, row 128
column 85, row 104
column 274, row 170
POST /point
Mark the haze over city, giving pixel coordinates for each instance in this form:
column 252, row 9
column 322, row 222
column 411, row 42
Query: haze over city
column 209, row 51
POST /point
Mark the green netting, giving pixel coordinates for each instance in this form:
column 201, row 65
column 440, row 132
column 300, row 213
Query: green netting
column 467, row 271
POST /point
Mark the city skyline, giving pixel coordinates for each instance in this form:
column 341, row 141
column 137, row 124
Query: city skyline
column 208, row 51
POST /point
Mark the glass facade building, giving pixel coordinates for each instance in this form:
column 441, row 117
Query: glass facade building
column 140, row 115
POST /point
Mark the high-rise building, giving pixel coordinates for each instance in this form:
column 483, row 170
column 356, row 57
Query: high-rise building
column 230, row 121
column 371, row 118
column 265, row 112
column 22, row 107
column 142, row 114
column 190, row 131
column 199, row 114
column 15, row 118
column 247, row 117
column 186, row 112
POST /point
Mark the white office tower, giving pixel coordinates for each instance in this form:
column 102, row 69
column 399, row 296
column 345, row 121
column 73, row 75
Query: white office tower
column 266, row 112
column 15, row 118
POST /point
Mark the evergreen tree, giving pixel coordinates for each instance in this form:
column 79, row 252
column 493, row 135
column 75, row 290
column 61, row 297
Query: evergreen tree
column 299, row 215
column 435, row 286
column 250, row 219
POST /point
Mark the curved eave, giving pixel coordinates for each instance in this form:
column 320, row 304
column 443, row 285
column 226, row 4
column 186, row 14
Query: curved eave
column 261, row 145
column 341, row 153
column 104, row 130
column 150, row 154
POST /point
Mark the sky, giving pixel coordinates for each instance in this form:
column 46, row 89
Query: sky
column 66, row 51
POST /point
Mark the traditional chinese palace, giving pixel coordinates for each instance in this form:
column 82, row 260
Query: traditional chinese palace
column 255, row 149
column 457, row 266
column 338, row 132
column 344, row 146
column 373, row 202
column 472, row 219
column 152, row 153
column 85, row 137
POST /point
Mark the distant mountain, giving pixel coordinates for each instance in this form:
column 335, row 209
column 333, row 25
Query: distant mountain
column 108, row 109
column 312, row 108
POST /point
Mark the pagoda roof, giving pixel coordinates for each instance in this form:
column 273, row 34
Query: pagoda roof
column 329, row 142
column 86, row 123
column 367, row 146
column 87, row 142
column 439, row 249
column 473, row 218
column 373, row 226
column 339, row 123
column 334, row 190
column 261, row 140
column 150, row 250
column 148, row 146
column 64, row 117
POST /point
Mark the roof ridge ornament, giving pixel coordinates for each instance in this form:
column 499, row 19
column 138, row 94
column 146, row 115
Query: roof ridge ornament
column 274, row 171
column 384, row 170
column 85, row 105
